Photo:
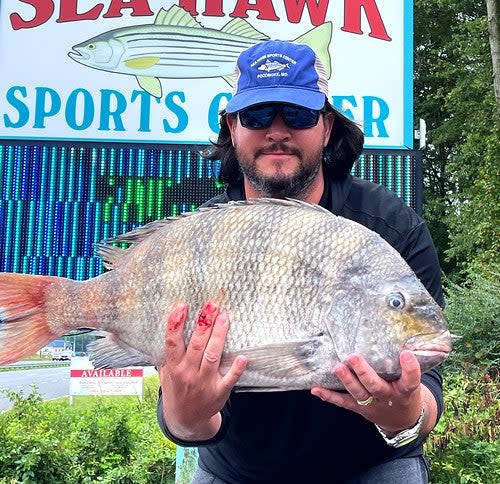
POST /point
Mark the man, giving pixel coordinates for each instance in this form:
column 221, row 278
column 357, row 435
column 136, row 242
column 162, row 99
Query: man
column 281, row 138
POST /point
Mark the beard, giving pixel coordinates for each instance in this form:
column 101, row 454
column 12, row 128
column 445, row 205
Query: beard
column 281, row 185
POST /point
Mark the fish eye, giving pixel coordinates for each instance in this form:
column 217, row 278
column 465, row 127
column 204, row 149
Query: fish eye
column 91, row 46
column 396, row 300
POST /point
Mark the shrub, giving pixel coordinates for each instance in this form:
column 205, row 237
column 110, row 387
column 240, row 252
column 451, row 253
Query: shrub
column 473, row 312
column 107, row 440
column 464, row 447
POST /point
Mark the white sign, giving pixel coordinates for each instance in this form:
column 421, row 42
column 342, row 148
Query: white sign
column 149, row 71
column 86, row 380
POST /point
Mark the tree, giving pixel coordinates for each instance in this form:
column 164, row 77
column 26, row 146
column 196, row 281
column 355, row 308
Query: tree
column 493, row 8
column 454, row 94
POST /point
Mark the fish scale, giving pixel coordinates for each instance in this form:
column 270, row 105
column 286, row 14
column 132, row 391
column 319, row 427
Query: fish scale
column 302, row 288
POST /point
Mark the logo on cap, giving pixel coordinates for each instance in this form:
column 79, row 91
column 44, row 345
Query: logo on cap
column 269, row 66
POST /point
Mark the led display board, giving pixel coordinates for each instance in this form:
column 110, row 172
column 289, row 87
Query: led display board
column 57, row 201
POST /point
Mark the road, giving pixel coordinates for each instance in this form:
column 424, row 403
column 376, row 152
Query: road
column 51, row 383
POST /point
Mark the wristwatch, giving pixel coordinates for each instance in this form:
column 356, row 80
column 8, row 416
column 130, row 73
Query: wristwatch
column 405, row 436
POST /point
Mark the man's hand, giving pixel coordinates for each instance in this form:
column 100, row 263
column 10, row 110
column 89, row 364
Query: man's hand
column 193, row 390
column 395, row 405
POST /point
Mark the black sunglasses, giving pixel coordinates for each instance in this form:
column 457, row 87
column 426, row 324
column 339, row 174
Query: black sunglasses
column 262, row 116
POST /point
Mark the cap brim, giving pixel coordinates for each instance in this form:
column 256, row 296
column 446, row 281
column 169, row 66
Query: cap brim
column 300, row 97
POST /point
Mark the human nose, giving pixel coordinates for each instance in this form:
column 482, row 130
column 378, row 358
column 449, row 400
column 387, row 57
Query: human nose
column 278, row 131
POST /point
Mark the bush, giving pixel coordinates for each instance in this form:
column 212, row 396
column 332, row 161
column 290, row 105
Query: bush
column 464, row 447
column 107, row 440
column 473, row 313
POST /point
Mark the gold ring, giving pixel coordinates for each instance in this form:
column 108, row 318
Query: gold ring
column 366, row 402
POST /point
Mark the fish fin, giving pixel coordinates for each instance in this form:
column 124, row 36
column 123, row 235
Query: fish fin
column 141, row 233
column 176, row 15
column 241, row 27
column 229, row 79
column 150, row 84
column 111, row 352
column 280, row 360
column 142, row 62
column 244, row 389
column 288, row 202
column 111, row 256
column 133, row 237
column 24, row 326
column 319, row 40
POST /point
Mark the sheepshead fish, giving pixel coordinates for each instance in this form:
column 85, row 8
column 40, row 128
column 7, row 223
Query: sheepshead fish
column 303, row 289
column 177, row 46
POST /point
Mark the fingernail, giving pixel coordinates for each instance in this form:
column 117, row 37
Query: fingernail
column 208, row 310
column 177, row 316
column 339, row 369
column 407, row 356
column 223, row 319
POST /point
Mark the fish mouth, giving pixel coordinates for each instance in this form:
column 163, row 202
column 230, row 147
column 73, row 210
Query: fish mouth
column 435, row 353
column 430, row 349
column 78, row 55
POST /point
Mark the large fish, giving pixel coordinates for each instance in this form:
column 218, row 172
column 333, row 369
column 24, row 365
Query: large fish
column 303, row 289
column 176, row 46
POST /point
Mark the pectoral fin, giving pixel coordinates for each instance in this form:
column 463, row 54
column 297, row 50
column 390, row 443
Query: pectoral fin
column 142, row 62
column 290, row 359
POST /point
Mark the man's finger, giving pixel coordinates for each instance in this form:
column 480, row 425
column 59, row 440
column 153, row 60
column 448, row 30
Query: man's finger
column 230, row 379
column 215, row 345
column 201, row 334
column 174, row 340
column 410, row 373
column 367, row 378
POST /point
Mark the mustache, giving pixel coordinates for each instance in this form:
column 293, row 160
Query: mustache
column 278, row 147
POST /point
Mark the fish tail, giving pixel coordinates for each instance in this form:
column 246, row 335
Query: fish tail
column 24, row 325
column 319, row 40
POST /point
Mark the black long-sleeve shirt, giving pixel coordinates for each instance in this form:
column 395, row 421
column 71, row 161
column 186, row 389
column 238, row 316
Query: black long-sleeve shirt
column 293, row 436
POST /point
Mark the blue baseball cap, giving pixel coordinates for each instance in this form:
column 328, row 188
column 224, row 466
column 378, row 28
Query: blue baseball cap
column 279, row 71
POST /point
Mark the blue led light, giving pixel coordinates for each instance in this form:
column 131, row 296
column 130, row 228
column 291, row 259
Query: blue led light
column 57, row 202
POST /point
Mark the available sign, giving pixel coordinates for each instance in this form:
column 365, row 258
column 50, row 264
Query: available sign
column 86, row 380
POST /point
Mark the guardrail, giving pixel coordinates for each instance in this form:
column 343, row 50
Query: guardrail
column 29, row 365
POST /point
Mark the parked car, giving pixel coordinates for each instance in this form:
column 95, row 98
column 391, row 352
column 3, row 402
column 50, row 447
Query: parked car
column 61, row 357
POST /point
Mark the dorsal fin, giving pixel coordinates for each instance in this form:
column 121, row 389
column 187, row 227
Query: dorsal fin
column 287, row 202
column 113, row 255
column 176, row 15
column 319, row 40
column 241, row 27
column 140, row 233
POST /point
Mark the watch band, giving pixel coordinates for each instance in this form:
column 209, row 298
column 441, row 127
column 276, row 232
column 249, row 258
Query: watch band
column 405, row 436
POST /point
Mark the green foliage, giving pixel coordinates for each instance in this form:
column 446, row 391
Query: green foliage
column 454, row 94
column 473, row 313
column 464, row 447
column 98, row 440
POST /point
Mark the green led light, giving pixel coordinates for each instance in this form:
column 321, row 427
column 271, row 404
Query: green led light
column 56, row 201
